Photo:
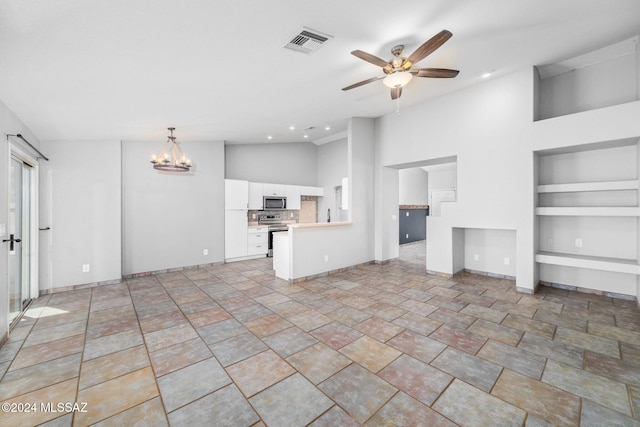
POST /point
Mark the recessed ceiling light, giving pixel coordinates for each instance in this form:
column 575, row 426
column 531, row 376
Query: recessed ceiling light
column 327, row 128
column 269, row 137
column 487, row 75
column 306, row 136
column 292, row 128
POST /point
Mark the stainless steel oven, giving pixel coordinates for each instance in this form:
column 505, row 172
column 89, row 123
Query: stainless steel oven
column 274, row 228
column 275, row 223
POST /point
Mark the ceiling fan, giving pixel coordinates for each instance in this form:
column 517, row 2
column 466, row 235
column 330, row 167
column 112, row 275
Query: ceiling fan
column 399, row 70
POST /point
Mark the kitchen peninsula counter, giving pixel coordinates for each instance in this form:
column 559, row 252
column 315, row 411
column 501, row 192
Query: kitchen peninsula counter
column 283, row 255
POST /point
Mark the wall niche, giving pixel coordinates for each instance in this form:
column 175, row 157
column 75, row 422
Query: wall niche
column 598, row 79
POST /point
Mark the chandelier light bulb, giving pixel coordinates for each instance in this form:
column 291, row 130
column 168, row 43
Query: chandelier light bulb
column 171, row 157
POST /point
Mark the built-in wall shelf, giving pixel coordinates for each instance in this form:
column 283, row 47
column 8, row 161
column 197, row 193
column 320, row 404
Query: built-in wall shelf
column 588, row 203
column 588, row 186
column 616, row 265
column 589, row 211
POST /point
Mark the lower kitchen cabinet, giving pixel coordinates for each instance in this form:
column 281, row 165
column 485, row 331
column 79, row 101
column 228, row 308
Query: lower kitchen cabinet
column 257, row 241
column 413, row 225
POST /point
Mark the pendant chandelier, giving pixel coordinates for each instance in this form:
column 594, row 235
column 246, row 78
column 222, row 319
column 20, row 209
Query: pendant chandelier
column 171, row 158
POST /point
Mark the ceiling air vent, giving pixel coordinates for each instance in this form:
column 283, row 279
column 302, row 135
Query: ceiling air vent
column 307, row 41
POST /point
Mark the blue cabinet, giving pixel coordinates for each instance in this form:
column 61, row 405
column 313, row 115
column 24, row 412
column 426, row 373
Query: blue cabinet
column 413, row 225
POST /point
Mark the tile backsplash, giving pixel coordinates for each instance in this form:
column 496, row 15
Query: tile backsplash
column 286, row 214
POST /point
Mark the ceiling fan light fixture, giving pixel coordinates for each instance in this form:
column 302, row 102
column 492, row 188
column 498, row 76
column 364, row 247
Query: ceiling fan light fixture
column 397, row 79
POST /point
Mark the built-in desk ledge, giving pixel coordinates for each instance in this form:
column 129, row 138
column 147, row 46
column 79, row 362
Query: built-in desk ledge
column 320, row 224
column 414, row 206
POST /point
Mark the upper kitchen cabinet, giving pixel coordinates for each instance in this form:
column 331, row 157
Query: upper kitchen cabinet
column 293, row 196
column 236, row 194
column 274, row 189
column 257, row 190
column 256, row 193
column 312, row 191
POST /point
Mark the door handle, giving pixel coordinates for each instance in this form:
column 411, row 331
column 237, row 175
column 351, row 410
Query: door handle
column 11, row 241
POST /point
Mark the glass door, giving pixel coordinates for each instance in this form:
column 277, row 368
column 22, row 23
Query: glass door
column 19, row 237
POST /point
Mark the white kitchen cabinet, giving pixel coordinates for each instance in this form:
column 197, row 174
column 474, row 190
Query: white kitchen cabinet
column 273, row 189
column 256, row 191
column 312, row 191
column 293, row 196
column 235, row 233
column 236, row 194
column 257, row 241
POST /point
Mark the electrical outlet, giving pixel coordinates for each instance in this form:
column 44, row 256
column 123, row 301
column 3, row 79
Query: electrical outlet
column 86, row 268
column 507, row 261
column 326, row 258
column 205, row 252
column 549, row 241
column 476, row 257
column 394, row 217
column 578, row 243
column 406, row 236
column 406, row 213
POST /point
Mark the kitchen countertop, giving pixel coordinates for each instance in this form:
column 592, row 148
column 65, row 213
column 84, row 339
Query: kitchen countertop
column 256, row 224
column 294, row 224
column 414, row 206
column 320, row 224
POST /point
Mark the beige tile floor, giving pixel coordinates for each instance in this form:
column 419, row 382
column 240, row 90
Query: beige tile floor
column 377, row 345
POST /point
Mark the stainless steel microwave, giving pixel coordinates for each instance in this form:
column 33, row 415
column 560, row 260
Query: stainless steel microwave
column 274, row 202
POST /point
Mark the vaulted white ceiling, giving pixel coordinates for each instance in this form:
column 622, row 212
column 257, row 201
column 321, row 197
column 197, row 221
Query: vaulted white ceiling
column 217, row 69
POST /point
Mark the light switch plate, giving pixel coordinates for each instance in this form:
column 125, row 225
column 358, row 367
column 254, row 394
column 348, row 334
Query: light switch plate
column 3, row 230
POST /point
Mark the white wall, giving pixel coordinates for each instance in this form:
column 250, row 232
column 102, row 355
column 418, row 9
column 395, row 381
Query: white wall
column 458, row 247
column 9, row 124
column 443, row 178
column 495, row 158
column 168, row 219
column 494, row 172
column 386, row 204
column 80, row 201
column 618, row 163
column 413, row 187
column 293, row 163
column 345, row 245
column 332, row 167
column 491, row 248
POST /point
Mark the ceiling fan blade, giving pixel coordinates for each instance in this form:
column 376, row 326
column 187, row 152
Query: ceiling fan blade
column 442, row 73
column 362, row 83
column 372, row 59
column 430, row 46
column 396, row 92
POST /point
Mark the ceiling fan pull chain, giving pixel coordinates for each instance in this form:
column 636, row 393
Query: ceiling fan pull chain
column 398, row 105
